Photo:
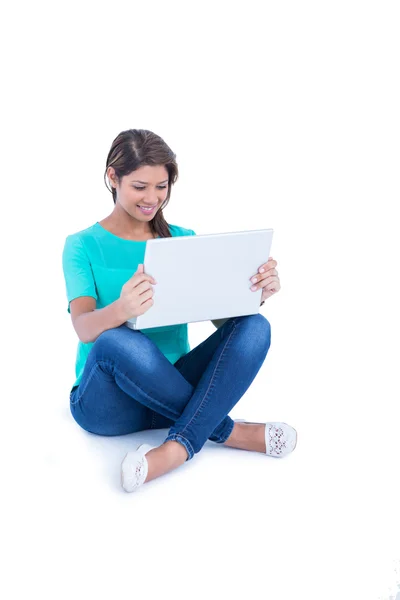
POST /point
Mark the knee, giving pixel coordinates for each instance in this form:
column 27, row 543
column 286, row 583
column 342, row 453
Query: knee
column 258, row 330
column 110, row 338
column 115, row 342
column 126, row 346
column 262, row 330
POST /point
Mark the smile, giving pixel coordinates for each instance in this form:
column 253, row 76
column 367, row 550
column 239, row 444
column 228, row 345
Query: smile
column 147, row 210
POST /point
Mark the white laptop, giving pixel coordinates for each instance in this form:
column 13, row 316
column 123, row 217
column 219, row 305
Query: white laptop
column 203, row 277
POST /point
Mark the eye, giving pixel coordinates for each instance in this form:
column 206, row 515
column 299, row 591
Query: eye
column 161, row 187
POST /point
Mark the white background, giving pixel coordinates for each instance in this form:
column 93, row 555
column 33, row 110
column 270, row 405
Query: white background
column 282, row 115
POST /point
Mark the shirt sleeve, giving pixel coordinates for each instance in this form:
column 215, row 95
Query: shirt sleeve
column 78, row 274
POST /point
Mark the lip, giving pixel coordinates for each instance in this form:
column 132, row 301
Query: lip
column 152, row 209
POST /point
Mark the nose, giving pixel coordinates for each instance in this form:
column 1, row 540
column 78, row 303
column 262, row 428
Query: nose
column 152, row 198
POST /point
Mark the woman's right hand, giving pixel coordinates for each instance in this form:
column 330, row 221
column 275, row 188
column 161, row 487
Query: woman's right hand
column 136, row 295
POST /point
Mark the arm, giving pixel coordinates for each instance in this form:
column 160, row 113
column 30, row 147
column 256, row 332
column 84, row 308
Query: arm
column 89, row 322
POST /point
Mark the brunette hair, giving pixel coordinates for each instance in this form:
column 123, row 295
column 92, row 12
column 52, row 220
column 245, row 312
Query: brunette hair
column 134, row 148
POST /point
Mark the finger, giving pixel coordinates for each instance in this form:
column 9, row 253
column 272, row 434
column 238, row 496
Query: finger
column 140, row 271
column 144, row 286
column 139, row 278
column 146, row 296
column 259, row 278
column 265, row 282
column 270, row 264
column 266, row 293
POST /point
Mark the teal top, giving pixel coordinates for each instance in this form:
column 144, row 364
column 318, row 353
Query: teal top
column 97, row 263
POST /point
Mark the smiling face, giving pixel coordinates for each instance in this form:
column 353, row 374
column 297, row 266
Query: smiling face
column 144, row 188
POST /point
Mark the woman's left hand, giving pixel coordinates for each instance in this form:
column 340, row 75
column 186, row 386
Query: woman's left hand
column 267, row 278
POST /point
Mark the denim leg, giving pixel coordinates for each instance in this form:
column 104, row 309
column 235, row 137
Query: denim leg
column 119, row 393
column 243, row 344
column 126, row 381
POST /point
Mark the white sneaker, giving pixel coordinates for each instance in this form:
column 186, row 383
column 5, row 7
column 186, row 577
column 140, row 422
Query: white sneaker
column 280, row 438
column 134, row 468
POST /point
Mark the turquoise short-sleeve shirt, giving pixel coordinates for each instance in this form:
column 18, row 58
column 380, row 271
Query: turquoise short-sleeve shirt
column 98, row 263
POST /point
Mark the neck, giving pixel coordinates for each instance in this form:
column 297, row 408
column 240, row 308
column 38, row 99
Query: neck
column 126, row 226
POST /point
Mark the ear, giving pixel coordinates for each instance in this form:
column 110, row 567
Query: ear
column 111, row 176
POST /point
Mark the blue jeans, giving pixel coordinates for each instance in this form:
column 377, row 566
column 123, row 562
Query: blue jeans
column 129, row 385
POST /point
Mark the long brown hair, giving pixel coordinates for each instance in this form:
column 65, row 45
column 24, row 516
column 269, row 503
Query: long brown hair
column 134, row 148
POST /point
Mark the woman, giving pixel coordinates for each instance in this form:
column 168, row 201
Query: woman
column 130, row 380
